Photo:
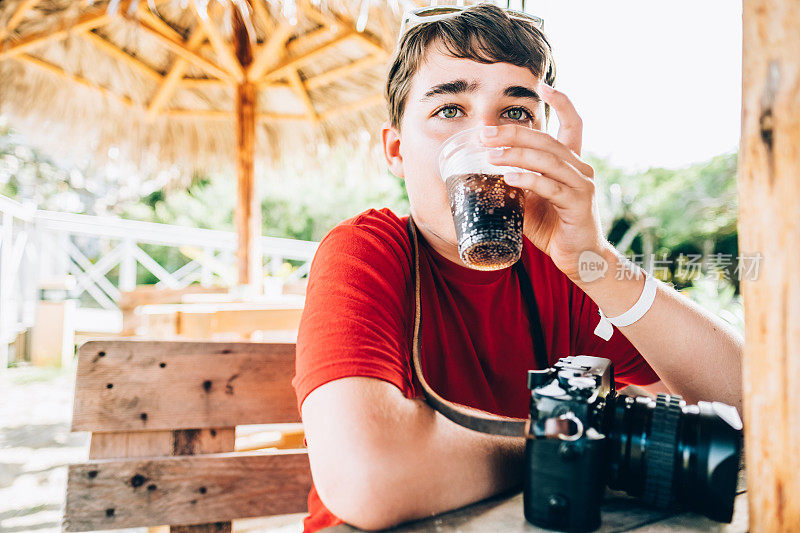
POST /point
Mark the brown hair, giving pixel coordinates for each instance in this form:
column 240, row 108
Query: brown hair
column 483, row 33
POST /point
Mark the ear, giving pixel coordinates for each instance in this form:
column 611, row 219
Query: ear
column 391, row 149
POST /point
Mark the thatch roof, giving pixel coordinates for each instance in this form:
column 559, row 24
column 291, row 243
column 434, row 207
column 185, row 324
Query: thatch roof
column 159, row 79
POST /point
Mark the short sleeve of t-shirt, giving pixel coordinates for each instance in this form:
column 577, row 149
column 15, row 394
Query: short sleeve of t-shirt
column 355, row 320
column 629, row 365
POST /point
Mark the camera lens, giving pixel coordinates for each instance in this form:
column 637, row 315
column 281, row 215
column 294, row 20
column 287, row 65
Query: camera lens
column 708, row 452
column 666, row 452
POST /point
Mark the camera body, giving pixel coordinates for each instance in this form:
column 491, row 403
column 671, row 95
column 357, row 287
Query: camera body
column 582, row 437
column 564, row 478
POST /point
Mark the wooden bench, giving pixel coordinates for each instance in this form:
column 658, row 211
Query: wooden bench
column 162, row 416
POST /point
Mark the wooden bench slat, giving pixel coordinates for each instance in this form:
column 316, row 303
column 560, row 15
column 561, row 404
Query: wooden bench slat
column 112, row 493
column 216, row 527
column 158, row 443
column 128, row 444
column 182, row 385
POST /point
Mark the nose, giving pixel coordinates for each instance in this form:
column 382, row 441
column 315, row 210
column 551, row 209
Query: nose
column 485, row 115
column 487, row 120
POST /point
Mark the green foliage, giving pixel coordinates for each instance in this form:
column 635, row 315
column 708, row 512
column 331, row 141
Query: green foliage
column 300, row 199
column 74, row 186
column 313, row 207
column 205, row 203
column 26, row 173
column 304, row 208
column 692, row 210
column 681, row 207
column 306, row 198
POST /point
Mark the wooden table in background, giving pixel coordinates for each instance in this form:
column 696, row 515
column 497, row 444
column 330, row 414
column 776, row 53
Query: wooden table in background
column 150, row 295
column 221, row 321
column 620, row 513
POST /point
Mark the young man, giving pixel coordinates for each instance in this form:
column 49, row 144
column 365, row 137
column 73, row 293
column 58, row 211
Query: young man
column 379, row 454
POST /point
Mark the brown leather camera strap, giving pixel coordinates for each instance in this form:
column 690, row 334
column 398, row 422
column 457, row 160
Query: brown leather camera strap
column 462, row 415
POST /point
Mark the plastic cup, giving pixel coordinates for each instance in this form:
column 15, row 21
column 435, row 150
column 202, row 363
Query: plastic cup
column 487, row 212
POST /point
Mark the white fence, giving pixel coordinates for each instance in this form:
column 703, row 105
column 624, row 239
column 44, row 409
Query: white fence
column 38, row 245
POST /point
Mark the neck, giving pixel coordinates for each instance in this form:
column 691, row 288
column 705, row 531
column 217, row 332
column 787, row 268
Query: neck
column 443, row 247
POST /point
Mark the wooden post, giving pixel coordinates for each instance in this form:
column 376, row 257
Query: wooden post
column 248, row 208
column 769, row 210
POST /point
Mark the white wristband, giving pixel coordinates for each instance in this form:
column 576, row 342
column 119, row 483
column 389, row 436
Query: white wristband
column 642, row 305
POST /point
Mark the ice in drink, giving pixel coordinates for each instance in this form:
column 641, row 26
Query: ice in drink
column 488, row 215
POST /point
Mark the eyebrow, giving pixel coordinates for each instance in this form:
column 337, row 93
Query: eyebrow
column 452, row 87
column 518, row 91
column 462, row 86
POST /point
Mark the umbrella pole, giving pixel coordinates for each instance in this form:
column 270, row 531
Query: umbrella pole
column 248, row 209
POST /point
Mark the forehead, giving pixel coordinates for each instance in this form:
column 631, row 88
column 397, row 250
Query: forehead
column 439, row 67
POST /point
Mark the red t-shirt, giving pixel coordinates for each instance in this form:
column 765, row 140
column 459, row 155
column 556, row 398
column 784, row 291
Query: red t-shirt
column 476, row 345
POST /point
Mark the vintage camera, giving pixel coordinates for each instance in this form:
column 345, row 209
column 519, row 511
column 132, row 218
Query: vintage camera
column 583, row 437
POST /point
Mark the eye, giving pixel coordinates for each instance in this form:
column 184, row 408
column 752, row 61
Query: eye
column 518, row 113
column 449, row 111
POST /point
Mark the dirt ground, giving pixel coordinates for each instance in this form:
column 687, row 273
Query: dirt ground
column 36, row 445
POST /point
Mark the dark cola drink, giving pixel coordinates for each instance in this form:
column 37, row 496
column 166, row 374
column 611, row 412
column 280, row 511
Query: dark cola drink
column 488, row 215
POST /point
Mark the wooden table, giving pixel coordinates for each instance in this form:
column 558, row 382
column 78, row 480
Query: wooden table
column 620, row 513
column 223, row 321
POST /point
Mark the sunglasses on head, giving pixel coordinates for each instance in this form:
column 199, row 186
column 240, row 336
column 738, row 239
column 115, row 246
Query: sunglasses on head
column 423, row 15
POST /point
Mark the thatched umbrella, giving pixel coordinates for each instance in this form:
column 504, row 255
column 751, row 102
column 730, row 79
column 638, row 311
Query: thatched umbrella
column 193, row 81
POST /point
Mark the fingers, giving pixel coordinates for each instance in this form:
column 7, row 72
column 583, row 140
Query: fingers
column 558, row 194
column 539, row 161
column 570, row 129
column 572, row 204
column 518, row 136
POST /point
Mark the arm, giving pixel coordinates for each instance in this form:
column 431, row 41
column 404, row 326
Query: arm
column 695, row 353
column 379, row 459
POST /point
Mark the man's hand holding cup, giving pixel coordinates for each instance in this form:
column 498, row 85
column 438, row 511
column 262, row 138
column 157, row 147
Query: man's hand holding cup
column 561, row 215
